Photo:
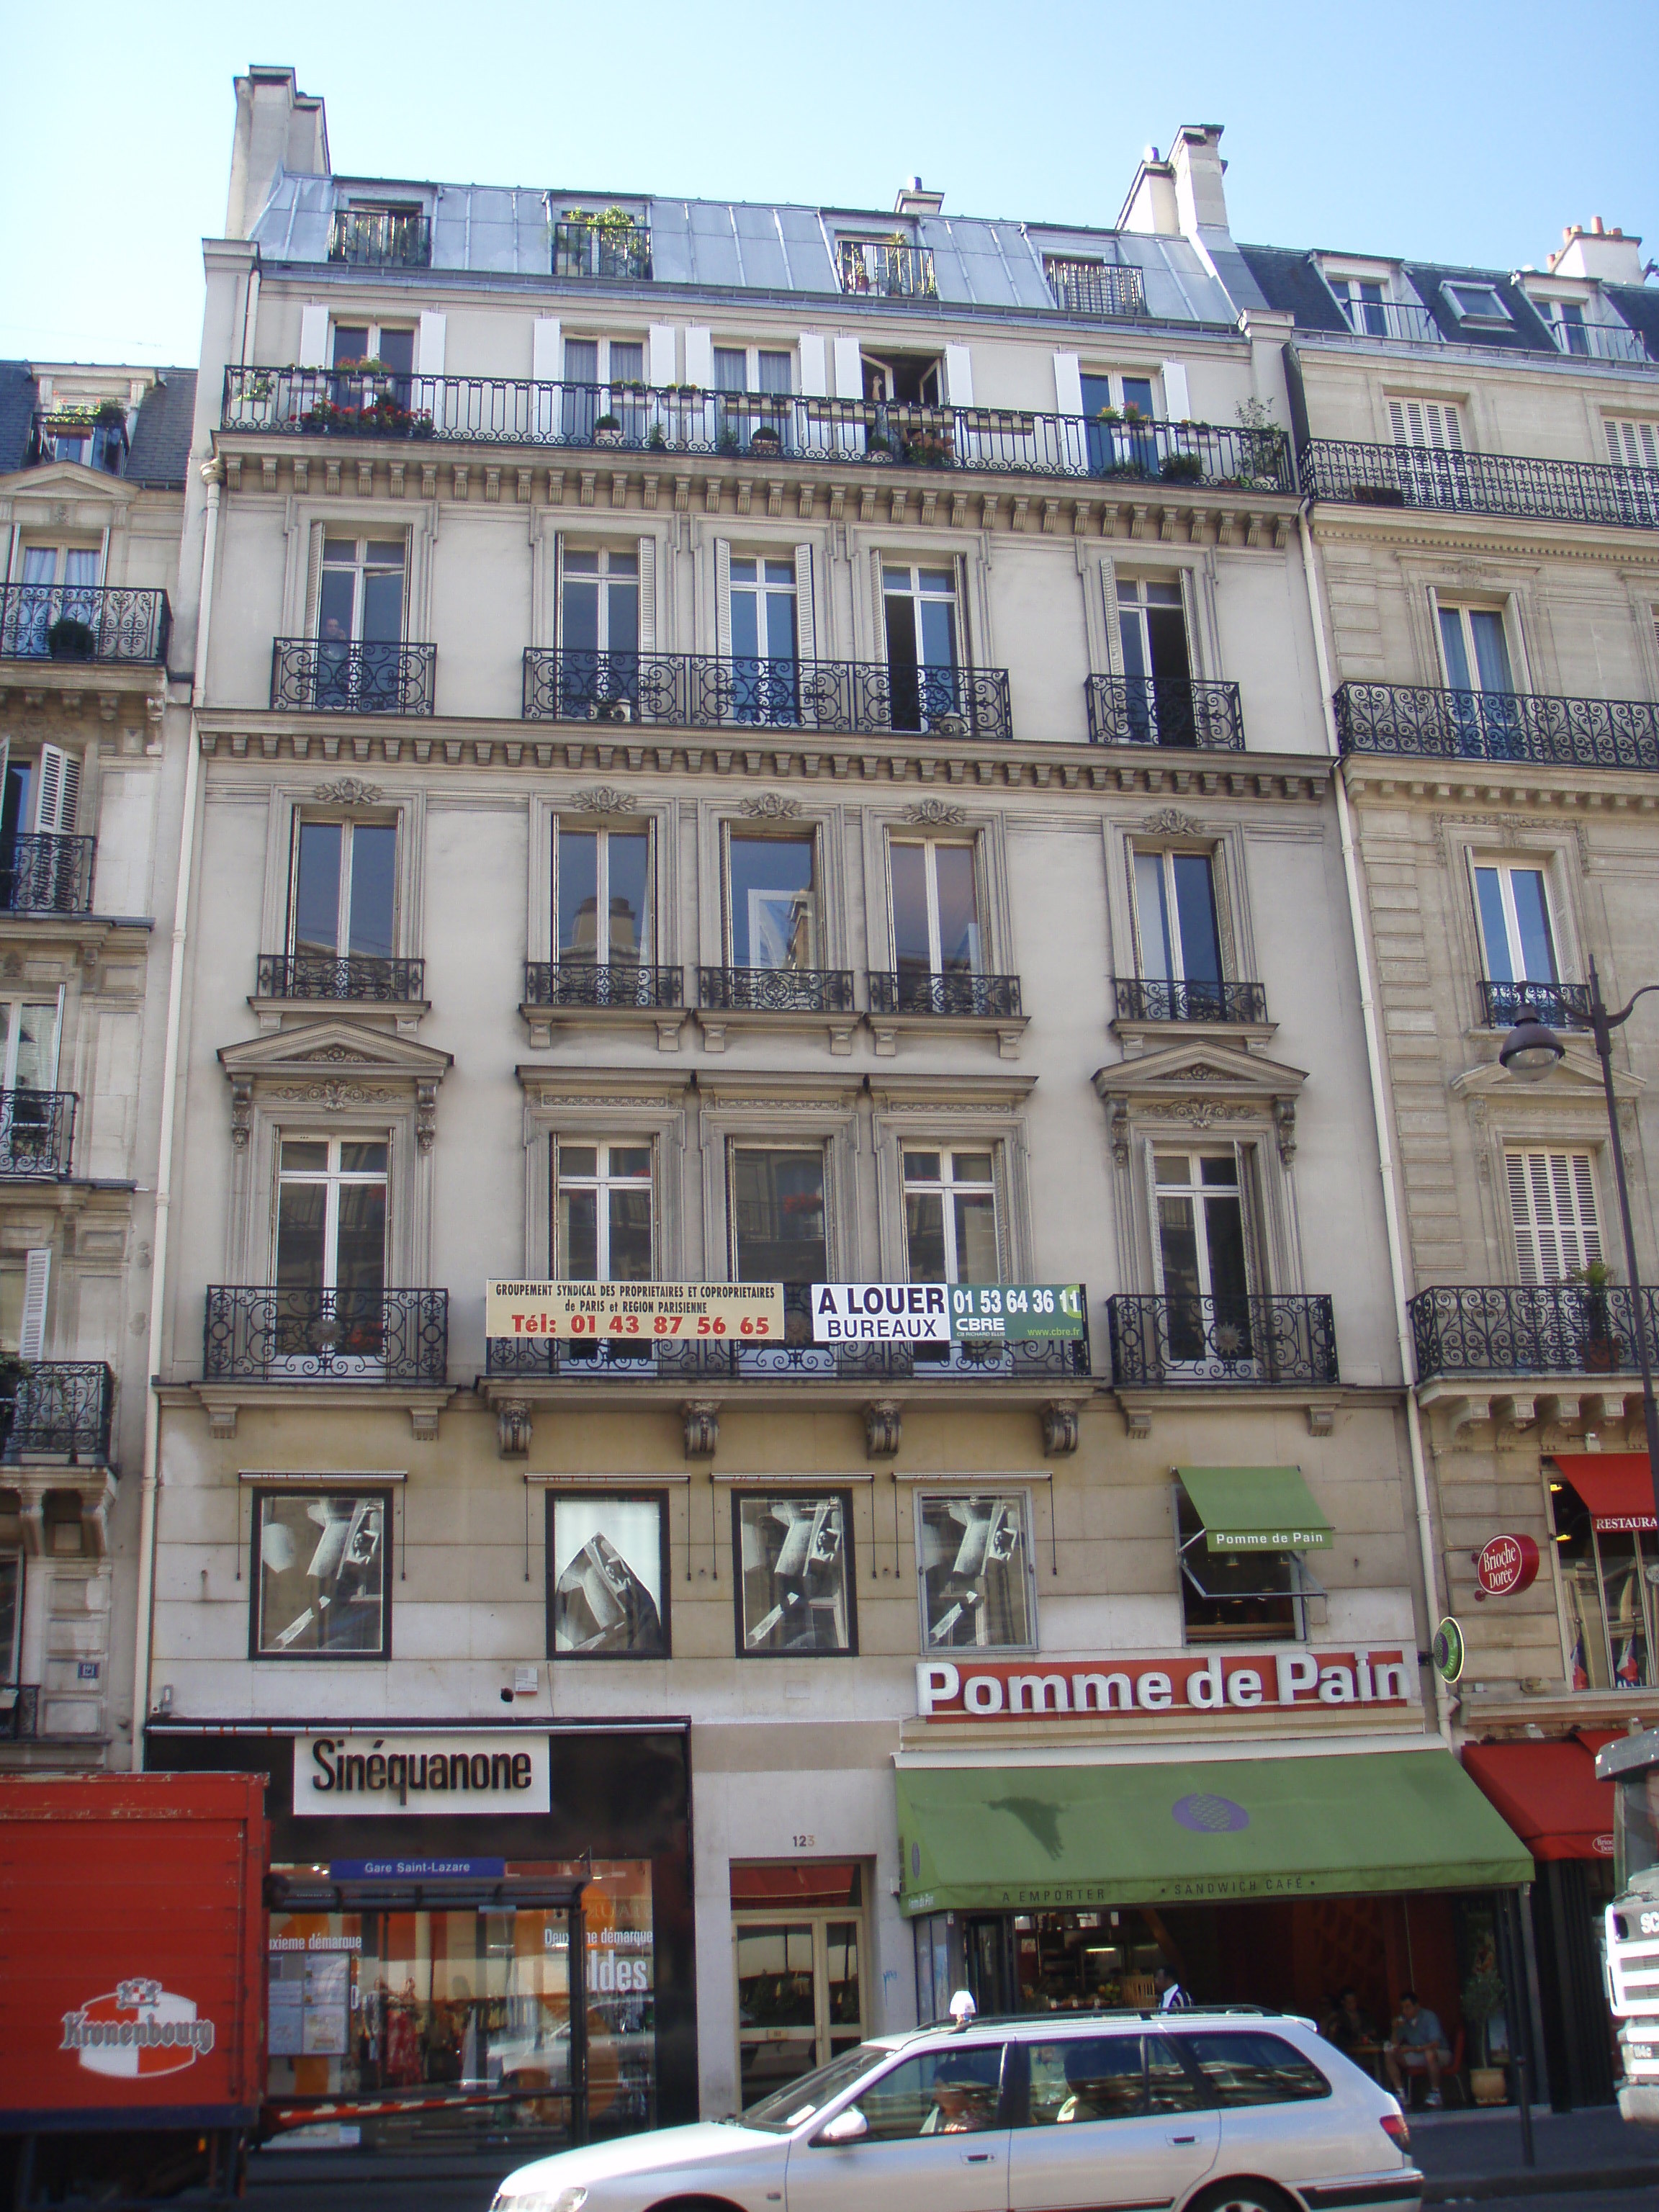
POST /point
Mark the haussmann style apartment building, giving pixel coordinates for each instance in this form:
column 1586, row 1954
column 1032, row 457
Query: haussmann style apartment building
column 743, row 744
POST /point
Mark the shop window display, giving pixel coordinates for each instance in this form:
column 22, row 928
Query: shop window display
column 1607, row 1578
column 1237, row 1597
column 794, row 1584
column 321, row 1582
column 607, row 1578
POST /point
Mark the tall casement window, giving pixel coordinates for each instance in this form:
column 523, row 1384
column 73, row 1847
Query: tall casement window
column 1152, row 625
column 321, row 1589
column 772, row 902
column 1178, row 936
column 793, row 1575
column 919, row 605
column 1475, row 650
column 343, row 903
column 935, row 911
column 1201, row 1255
column 950, row 1216
column 1517, row 941
column 778, row 1215
column 603, row 904
column 764, row 677
column 1364, row 303
column 331, row 1248
column 360, row 622
column 602, row 1226
column 972, row 1566
column 1118, row 410
column 1552, row 1210
column 1610, row 1581
column 598, row 632
column 603, row 390
column 32, row 1128
column 392, row 347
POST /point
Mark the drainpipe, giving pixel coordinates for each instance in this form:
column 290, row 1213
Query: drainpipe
column 1385, row 1161
column 211, row 473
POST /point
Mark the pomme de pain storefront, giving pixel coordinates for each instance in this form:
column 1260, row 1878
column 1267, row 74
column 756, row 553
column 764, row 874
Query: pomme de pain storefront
column 430, row 1887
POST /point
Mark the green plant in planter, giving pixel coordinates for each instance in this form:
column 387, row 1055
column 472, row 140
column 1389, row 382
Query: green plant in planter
column 606, row 422
column 111, row 412
column 1599, row 1347
column 70, row 639
column 728, row 440
column 1483, row 1998
column 1181, row 468
column 658, row 440
column 1108, row 414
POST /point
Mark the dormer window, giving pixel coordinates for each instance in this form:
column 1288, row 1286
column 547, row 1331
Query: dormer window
column 381, row 234
column 1478, row 304
column 1094, row 288
column 885, row 268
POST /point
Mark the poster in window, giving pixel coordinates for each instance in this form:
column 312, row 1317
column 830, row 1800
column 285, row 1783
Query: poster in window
column 794, row 1582
column 322, row 1575
column 606, row 1577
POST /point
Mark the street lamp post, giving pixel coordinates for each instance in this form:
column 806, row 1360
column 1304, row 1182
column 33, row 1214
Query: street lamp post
column 1530, row 1051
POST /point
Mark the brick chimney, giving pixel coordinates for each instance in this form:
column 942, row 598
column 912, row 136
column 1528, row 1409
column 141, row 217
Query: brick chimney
column 278, row 127
column 1607, row 256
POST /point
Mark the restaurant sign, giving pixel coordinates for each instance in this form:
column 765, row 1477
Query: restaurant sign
column 636, row 1312
column 1010, row 1689
column 1505, row 1566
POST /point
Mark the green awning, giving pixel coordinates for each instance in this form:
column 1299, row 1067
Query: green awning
column 1017, row 1838
column 1255, row 1509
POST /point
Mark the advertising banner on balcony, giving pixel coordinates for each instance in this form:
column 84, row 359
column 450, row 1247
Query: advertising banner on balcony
column 1016, row 1312
column 936, row 1313
column 581, row 1313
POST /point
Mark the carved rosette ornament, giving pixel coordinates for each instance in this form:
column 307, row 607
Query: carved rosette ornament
column 603, row 799
column 770, row 806
column 348, row 791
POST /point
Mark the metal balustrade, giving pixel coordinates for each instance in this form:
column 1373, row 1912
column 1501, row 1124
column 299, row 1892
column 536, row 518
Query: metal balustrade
column 1601, row 342
column 645, row 421
column 775, row 990
column 1259, row 1340
column 1393, row 319
column 1164, row 710
column 692, row 691
column 1095, row 288
column 885, row 269
column 340, row 975
column 911, row 990
column 1154, row 999
column 282, row 1333
column 61, row 1409
column 42, row 872
column 326, row 676
column 97, row 622
column 36, row 1134
column 597, row 248
column 601, row 984
column 1423, row 721
column 1530, row 1328
column 1559, row 1005
column 1481, row 483
column 380, row 238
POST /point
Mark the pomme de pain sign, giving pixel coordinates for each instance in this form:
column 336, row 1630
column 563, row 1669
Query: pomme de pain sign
column 581, row 1313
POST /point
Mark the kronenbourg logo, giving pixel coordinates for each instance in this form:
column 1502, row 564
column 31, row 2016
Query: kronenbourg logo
column 136, row 2030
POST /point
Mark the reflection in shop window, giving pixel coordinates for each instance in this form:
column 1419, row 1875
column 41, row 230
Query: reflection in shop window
column 1607, row 1579
column 1239, row 1597
column 794, row 1592
column 321, row 1568
column 973, row 1564
column 798, row 1934
column 607, row 1578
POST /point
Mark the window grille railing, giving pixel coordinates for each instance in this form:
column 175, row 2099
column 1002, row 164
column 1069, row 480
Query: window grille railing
column 1422, row 721
column 1260, row 1341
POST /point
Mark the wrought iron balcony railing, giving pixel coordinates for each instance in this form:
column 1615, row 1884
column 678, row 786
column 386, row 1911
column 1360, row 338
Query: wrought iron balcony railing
column 381, row 238
column 61, row 1409
column 601, row 249
column 322, row 676
column 886, row 269
column 1255, row 1340
column 1559, row 1005
column 340, row 975
column 913, row 991
column 1601, row 341
column 1393, row 319
column 592, row 983
column 1041, row 1359
column 98, row 622
column 1152, row 999
column 1426, row 722
column 286, row 1334
column 774, row 429
column 691, row 691
column 1530, row 1328
column 1163, row 710
column 775, row 990
column 1095, row 288
column 20, row 1711
column 44, row 873
column 36, row 1134
column 1481, row 484
column 88, row 435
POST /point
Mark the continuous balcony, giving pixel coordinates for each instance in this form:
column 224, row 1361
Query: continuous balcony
column 948, row 997
column 37, row 1135
column 354, row 975
column 45, row 874
column 1424, row 722
column 1164, row 710
column 1154, row 999
column 101, row 624
column 597, row 248
column 1481, row 484
column 287, row 1334
column 317, row 675
column 1558, row 1006
column 1495, row 1330
column 61, row 1410
column 649, row 421
column 574, row 986
column 885, row 269
column 1601, row 342
column 1268, row 1342
column 1393, row 319
column 690, row 691
column 380, row 238
column 1095, row 288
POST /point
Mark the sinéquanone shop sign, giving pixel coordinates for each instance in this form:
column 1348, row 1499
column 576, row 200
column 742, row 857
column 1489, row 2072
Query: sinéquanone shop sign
column 1006, row 1689
column 353, row 1772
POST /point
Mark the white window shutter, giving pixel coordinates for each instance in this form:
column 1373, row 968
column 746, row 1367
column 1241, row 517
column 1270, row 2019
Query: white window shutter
column 699, row 358
column 313, row 335
column 313, row 578
column 58, row 787
column 429, row 344
column 805, row 615
column 958, row 376
column 1187, row 579
column 878, row 604
column 814, row 366
column 647, row 595
column 1113, row 629
column 1633, row 445
column 849, row 369
column 723, row 597
column 1425, row 423
column 1553, row 1206
column 1149, row 1168
column 544, row 349
column 661, row 355
column 32, row 1333
column 1068, row 385
column 1177, row 407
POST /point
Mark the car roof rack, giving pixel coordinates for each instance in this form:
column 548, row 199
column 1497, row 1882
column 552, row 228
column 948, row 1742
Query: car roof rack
column 1117, row 2013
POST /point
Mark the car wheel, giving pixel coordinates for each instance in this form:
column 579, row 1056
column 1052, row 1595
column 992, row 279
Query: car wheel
column 1244, row 2195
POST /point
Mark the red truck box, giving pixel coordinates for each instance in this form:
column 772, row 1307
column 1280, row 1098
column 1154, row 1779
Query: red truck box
column 132, row 1952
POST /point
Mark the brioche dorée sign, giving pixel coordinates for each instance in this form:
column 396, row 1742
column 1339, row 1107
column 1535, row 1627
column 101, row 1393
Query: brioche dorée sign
column 1005, row 1689
column 1505, row 1566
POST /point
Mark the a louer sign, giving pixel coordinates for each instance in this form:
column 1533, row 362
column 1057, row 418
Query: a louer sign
column 1003, row 1689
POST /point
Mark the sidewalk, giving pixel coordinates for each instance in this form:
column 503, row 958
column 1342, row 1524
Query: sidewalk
column 1476, row 2154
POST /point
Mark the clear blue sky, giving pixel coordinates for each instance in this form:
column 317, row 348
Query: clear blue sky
column 1452, row 130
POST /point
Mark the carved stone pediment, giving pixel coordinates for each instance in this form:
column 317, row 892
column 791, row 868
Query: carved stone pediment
column 344, row 1048
column 1204, row 1087
column 1571, row 1081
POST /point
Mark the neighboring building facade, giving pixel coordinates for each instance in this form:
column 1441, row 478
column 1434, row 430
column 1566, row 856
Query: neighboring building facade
column 1481, row 449
column 92, row 467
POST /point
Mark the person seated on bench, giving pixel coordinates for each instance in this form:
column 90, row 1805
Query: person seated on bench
column 1419, row 2046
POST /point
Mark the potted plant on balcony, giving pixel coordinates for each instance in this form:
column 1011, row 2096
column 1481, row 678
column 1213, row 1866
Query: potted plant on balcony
column 607, row 430
column 765, row 439
column 1182, row 468
column 1599, row 1349
column 70, row 639
column 929, row 449
column 111, row 414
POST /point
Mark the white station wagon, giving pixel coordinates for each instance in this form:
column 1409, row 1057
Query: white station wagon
column 1188, row 2111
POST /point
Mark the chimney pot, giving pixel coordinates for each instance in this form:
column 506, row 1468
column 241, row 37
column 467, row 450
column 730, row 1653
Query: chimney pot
column 916, row 184
column 1151, row 154
column 1596, row 225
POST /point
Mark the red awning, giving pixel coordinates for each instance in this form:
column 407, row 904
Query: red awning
column 1617, row 1486
column 801, row 1884
column 1548, row 1794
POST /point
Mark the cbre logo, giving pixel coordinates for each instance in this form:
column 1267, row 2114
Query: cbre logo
column 136, row 2030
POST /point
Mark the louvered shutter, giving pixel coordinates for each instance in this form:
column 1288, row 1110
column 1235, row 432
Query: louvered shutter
column 806, row 633
column 313, row 578
column 429, row 344
column 1149, row 1169
column 313, row 336
column 699, row 358
column 59, row 793
column 1068, row 385
column 1635, row 444
column 544, row 349
column 647, row 595
column 1177, row 406
column 1114, row 630
column 878, row 605
column 849, row 369
column 723, row 597
column 32, row 1333
column 1425, row 423
column 814, row 366
column 1553, row 1205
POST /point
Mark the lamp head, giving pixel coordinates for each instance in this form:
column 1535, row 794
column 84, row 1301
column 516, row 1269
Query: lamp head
column 1530, row 1050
